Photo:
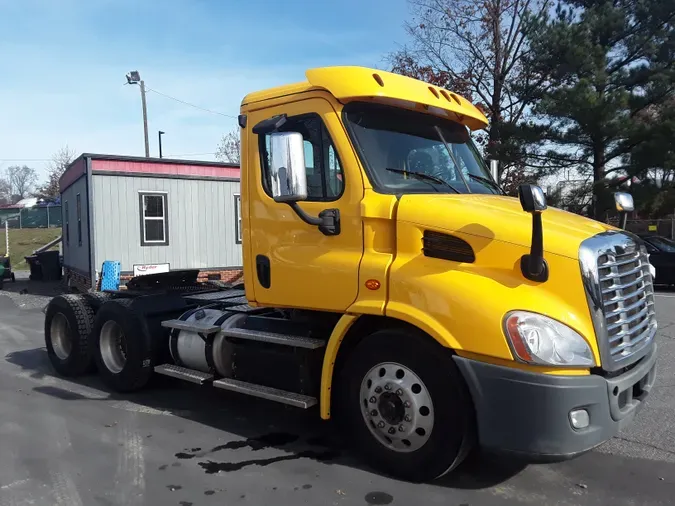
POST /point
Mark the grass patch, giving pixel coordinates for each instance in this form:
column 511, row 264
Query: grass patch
column 22, row 243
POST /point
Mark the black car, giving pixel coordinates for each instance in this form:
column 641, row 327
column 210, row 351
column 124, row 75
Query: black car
column 662, row 256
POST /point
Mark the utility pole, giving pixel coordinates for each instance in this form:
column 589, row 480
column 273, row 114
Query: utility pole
column 145, row 121
column 159, row 134
column 134, row 77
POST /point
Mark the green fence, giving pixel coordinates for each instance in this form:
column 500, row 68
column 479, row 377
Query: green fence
column 31, row 217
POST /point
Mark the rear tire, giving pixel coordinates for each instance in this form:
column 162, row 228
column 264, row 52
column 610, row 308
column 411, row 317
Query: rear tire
column 68, row 325
column 121, row 348
column 415, row 421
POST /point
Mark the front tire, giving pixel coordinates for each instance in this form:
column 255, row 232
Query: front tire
column 404, row 405
column 68, row 324
column 121, row 350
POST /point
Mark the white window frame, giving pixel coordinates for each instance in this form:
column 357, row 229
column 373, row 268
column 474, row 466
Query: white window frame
column 238, row 234
column 164, row 218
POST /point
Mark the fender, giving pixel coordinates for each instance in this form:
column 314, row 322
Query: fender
column 395, row 311
column 332, row 347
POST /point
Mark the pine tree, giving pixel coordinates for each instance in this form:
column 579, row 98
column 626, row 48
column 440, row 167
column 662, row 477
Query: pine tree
column 605, row 64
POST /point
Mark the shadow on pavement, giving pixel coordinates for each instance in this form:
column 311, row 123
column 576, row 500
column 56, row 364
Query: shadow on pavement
column 259, row 423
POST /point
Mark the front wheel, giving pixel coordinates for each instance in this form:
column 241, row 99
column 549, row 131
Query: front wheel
column 405, row 406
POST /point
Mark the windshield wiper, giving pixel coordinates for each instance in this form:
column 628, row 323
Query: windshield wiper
column 422, row 175
column 487, row 181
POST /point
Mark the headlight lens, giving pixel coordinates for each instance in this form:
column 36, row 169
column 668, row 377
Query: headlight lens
column 538, row 339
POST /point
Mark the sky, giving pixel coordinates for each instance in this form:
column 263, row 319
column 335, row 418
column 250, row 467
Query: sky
column 63, row 65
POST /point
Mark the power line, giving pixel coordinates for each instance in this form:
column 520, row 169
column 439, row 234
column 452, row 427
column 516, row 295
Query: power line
column 191, row 105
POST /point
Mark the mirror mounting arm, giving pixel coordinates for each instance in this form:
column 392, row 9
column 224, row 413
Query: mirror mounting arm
column 534, row 266
column 328, row 220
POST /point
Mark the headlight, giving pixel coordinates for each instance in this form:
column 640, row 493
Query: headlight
column 538, row 339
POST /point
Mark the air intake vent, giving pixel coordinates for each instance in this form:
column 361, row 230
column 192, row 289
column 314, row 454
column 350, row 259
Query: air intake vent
column 447, row 247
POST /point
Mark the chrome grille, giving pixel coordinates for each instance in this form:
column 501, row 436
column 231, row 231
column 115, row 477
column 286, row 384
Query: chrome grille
column 621, row 294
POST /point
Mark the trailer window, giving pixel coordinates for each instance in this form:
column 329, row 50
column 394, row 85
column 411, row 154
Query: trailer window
column 325, row 180
column 237, row 219
column 154, row 222
column 79, row 219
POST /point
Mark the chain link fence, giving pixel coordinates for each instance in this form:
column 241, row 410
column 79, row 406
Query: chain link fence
column 664, row 226
column 31, row 217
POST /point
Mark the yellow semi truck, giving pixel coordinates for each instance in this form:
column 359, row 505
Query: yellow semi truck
column 391, row 285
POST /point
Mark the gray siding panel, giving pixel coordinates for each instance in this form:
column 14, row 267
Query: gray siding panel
column 74, row 255
column 201, row 222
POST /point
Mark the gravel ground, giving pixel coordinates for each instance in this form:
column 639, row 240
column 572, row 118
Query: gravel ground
column 72, row 442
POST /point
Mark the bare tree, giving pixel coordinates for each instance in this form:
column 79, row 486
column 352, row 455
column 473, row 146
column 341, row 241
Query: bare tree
column 55, row 169
column 229, row 148
column 21, row 180
column 5, row 191
column 477, row 47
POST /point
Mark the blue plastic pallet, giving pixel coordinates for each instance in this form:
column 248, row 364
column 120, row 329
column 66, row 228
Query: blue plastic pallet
column 110, row 275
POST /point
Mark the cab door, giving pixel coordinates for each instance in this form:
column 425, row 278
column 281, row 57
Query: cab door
column 294, row 263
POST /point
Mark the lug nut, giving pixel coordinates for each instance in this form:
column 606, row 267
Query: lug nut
column 378, row 390
column 373, row 412
column 373, row 400
column 401, row 428
column 399, row 392
column 392, row 430
column 387, row 387
column 406, row 404
column 381, row 425
column 408, row 418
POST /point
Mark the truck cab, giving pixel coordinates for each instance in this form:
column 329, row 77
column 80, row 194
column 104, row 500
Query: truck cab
column 389, row 281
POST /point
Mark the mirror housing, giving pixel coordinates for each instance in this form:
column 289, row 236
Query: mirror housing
column 624, row 202
column 624, row 205
column 532, row 198
column 287, row 167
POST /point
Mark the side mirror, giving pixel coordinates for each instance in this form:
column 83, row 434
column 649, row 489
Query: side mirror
column 532, row 198
column 624, row 202
column 287, row 167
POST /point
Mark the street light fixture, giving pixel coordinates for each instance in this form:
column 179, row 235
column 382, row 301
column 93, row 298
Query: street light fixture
column 134, row 77
column 160, row 133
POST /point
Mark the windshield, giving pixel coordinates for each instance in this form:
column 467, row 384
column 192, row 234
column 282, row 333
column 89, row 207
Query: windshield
column 663, row 244
column 412, row 152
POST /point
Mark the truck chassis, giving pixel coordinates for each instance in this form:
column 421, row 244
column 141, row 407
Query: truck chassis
column 208, row 334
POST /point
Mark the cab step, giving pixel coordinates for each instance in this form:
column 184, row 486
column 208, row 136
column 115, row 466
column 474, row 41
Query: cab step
column 197, row 327
column 275, row 338
column 264, row 392
column 184, row 373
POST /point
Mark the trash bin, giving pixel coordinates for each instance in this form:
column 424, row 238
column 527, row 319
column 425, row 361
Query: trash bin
column 51, row 265
column 35, row 268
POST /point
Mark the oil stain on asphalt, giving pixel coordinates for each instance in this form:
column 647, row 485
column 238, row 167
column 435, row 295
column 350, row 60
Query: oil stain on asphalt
column 274, row 439
column 378, row 498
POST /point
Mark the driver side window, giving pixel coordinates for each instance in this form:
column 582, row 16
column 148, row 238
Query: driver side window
column 325, row 179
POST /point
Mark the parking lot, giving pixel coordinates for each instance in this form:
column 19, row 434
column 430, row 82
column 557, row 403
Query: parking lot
column 72, row 442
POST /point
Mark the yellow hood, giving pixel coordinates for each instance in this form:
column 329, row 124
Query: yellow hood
column 498, row 218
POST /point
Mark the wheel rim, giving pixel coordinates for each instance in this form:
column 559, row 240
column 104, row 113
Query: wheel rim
column 113, row 346
column 60, row 336
column 397, row 407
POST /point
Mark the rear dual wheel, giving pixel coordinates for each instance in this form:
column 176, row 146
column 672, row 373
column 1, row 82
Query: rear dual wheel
column 121, row 348
column 68, row 324
column 404, row 405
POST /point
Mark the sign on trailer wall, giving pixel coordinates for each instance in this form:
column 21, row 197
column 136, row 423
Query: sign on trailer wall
column 143, row 269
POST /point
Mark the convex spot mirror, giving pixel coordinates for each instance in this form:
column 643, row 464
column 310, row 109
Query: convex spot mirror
column 287, row 167
column 532, row 198
column 624, row 202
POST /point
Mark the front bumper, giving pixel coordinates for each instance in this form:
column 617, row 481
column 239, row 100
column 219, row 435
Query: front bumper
column 527, row 413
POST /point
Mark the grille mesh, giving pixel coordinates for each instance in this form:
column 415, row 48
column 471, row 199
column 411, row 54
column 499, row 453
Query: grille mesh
column 628, row 300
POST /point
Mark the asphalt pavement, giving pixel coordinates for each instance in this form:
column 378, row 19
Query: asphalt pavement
column 73, row 443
